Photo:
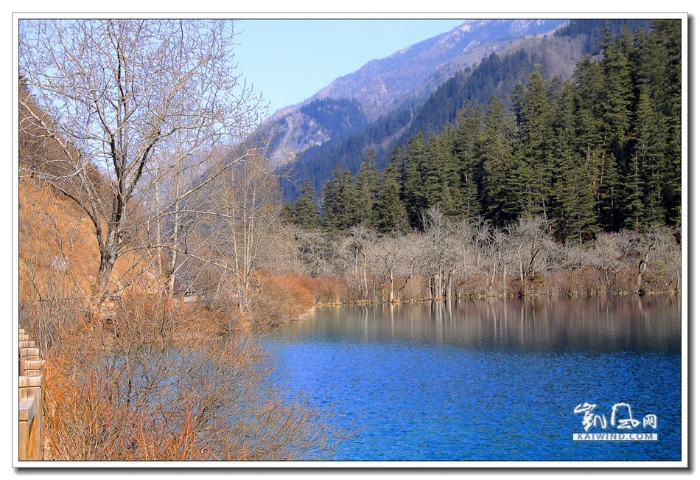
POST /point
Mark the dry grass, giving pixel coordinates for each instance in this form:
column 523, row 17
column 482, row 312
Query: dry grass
column 156, row 383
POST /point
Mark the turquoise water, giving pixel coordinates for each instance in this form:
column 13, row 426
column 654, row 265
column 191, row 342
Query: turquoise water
column 491, row 380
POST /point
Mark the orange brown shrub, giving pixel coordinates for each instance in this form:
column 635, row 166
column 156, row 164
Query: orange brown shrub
column 325, row 290
column 279, row 299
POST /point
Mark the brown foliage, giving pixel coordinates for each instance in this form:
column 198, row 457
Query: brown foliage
column 58, row 255
column 55, row 251
column 325, row 289
column 154, row 383
column 279, row 300
column 153, row 379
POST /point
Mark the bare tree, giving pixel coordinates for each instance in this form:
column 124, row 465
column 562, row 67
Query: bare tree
column 643, row 250
column 390, row 261
column 236, row 216
column 467, row 252
column 170, row 183
column 529, row 244
column 315, row 251
column 608, row 256
column 441, row 253
column 357, row 247
column 113, row 95
column 668, row 258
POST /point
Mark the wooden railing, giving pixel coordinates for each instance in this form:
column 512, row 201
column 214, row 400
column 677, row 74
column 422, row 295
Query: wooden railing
column 31, row 428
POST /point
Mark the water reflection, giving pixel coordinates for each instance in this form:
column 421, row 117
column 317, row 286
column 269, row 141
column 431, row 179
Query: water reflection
column 651, row 323
column 490, row 379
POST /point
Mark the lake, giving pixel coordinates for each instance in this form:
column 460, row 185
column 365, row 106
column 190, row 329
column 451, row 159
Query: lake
column 495, row 380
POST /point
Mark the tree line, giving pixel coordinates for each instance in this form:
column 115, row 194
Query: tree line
column 598, row 153
column 455, row 258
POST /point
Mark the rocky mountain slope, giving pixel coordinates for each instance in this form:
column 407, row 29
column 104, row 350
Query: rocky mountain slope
column 380, row 87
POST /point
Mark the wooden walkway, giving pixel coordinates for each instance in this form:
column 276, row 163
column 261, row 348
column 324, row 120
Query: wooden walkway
column 31, row 377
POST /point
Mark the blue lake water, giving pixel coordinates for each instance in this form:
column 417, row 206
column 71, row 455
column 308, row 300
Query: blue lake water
column 493, row 380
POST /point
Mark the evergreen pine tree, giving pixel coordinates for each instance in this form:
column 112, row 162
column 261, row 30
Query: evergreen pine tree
column 634, row 201
column 389, row 211
column 648, row 156
column 304, row 212
column 340, row 202
column 589, row 87
column 575, row 200
column 468, row 136
column 665, row 87
column 413, row 192
column 616, row 113
column 498, row 162
column 367, row 186
column 534, row 153
column 440, row 174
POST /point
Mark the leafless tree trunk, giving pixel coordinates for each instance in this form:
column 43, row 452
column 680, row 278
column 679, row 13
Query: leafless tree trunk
column 237, row 215
column 113, row 95
column 529, row 239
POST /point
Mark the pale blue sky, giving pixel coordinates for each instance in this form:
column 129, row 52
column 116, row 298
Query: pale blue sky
column 290, row 60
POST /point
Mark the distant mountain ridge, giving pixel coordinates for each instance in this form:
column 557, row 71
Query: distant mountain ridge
column 381, row 84
column 342, row 134
column 410, row 75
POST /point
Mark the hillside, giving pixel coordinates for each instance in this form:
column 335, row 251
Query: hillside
column 58, row 253
column 381, row 85
column 495, row 75
column 408, row 77
column 599, row 152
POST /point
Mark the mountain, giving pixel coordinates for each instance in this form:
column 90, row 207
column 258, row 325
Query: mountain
column 381, row 85
column 405, row 79
column 322, row 134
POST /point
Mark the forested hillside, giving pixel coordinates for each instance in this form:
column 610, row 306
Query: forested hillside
column 598, row 152
column 390, row 91
column 496, row 74
column 335, row 116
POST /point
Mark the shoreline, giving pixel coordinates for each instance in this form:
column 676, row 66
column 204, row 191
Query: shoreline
column 397, row 301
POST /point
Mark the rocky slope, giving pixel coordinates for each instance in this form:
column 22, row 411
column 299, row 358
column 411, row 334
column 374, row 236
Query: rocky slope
column 381, row 86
